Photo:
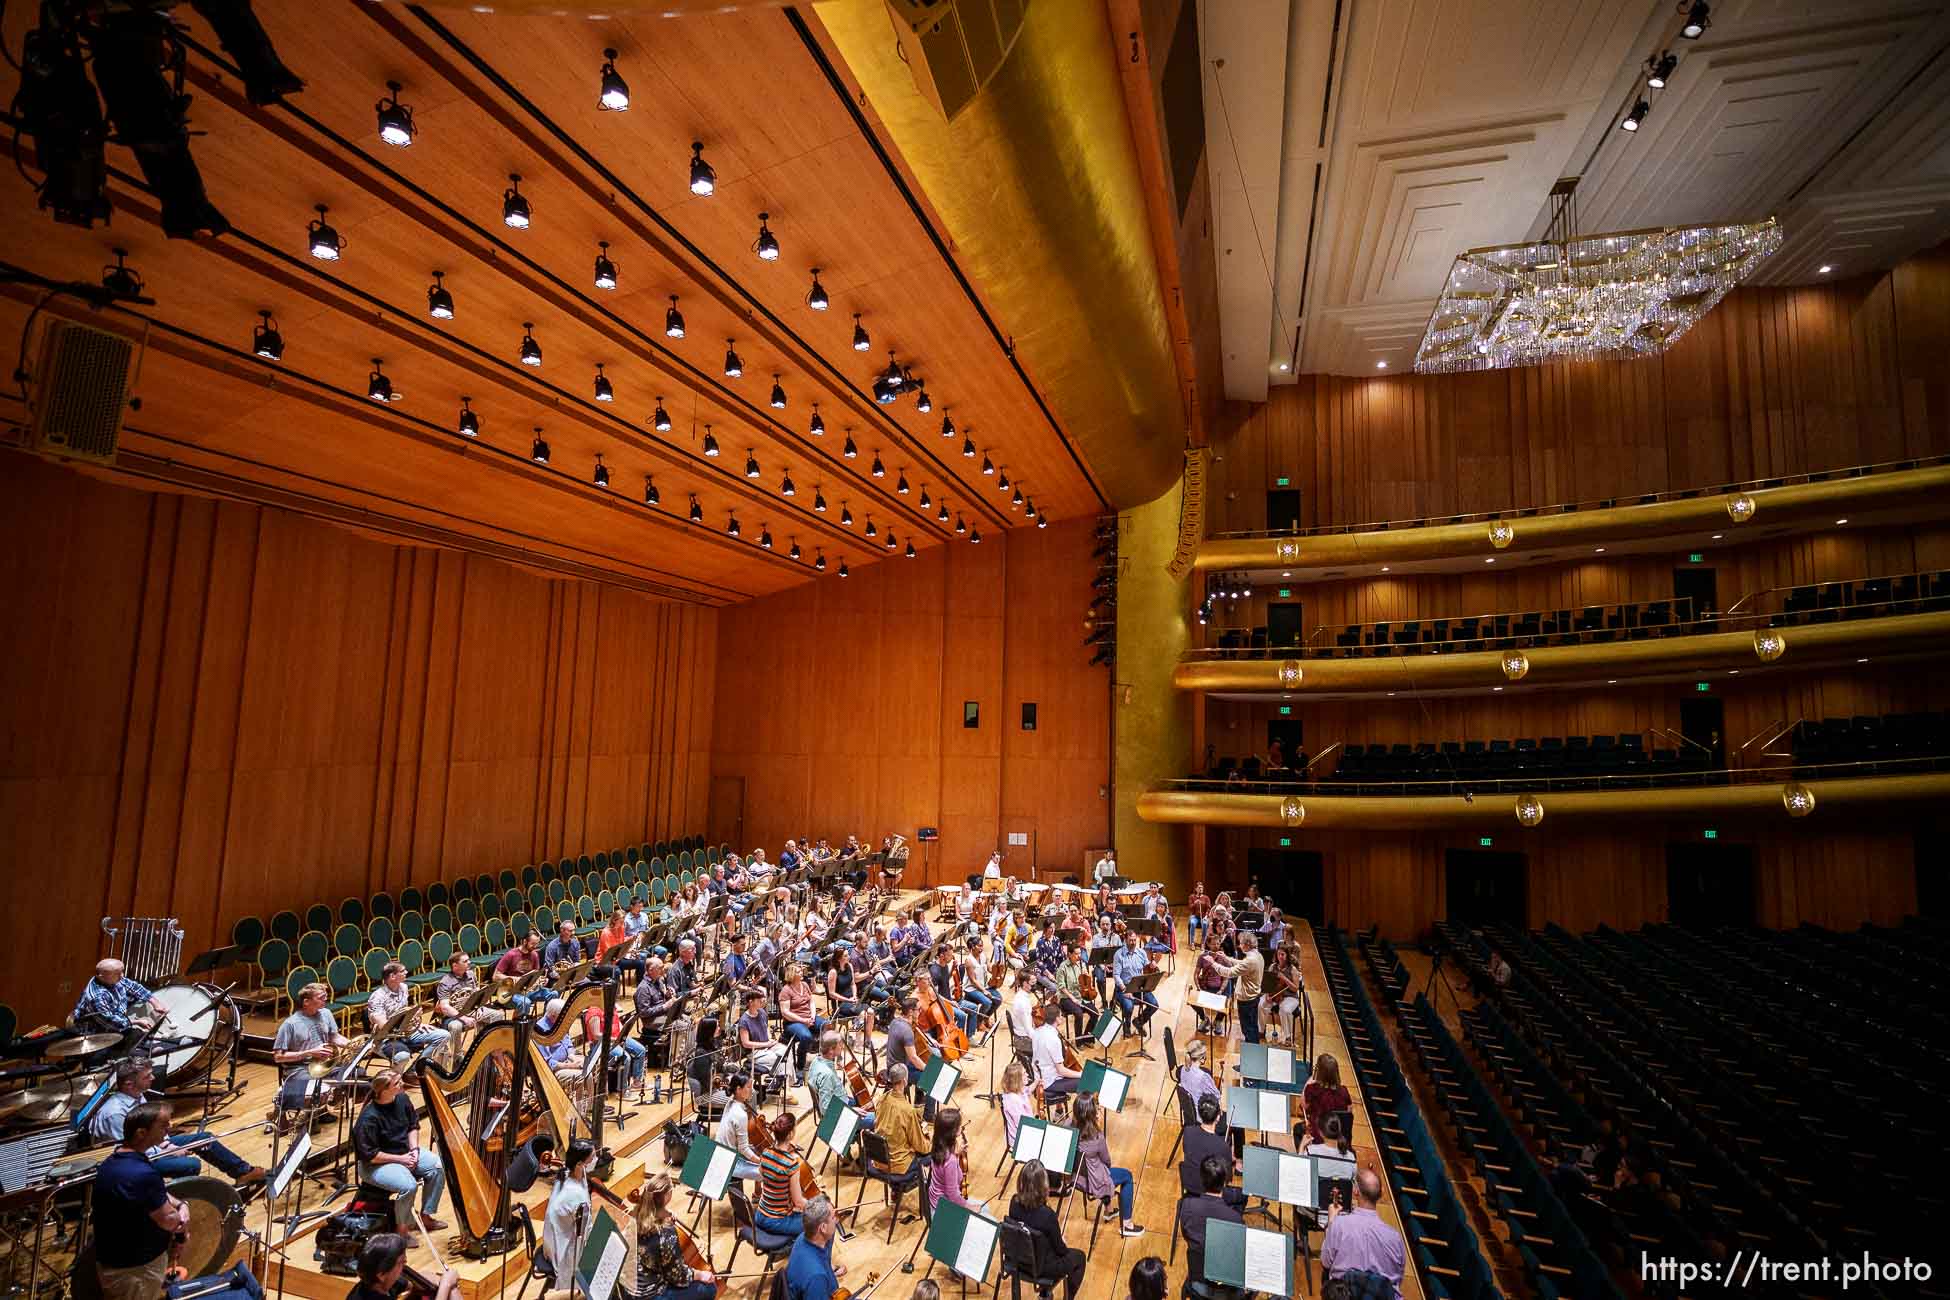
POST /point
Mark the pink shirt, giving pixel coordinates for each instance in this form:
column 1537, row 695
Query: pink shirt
column 1014, row 1106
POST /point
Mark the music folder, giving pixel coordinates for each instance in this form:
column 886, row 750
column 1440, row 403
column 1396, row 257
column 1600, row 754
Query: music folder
column 1252, row 1259
column 1053, row 1144
column 601, row 1260
column 1270, row 1067
column 939, row 1078
column 1112, row 1086
column 838, row 1126
column 963, row 1240
column 1257, row 1110
column 1281, row 1176
column 707, row 1169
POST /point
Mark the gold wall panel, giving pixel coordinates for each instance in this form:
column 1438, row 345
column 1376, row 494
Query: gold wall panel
column 1802, row 506
column 1036, row 181
column 1834, row 800
column 1810, row 645
column 1151, row 723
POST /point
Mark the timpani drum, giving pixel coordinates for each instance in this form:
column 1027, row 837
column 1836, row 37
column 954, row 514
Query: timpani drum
column 205, row 1021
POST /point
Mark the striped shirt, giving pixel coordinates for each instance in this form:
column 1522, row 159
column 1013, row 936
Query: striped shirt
column 777, row 1168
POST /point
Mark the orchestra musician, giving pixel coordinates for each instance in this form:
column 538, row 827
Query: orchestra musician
column 454, row 988
column 386, row 1137
column 1070, row 999
column 781, row 1191
column 901, row 1046
column 946, row 1180
column 734, row 1128
column 387, row 1001
column 800, row 1024
column 975, row 980
column 1195, row 907
column 654, row 1000
column 810, row 1273
column 523, row 959
column 1127, row 963
column 946, row 1028
column 618, row 931
column 564, row 949
column 625, row 1052
column 899, row 1125
column 171, row 1157
column 1057, row 1077
column 662, row 1270
column 567, row 1221
column 135, row 1217
column 383, row 1273
column 561, row 1056
column 824, row 1078
column 755, row 1037
column 308, row 1034
column 112, row 1001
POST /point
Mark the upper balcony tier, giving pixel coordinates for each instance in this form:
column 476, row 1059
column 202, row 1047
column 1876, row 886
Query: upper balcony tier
column 1908, row 491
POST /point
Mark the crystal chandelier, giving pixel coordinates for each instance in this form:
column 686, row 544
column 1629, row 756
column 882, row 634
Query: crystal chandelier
column 1609, row 296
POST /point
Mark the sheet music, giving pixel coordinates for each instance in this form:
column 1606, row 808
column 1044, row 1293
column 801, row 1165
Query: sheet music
column 1107, row 1031
column 844, row 1125
column 1267, row 1256
column 1059, row 1147
column 1296, row 1181
column 1272, row 1111
column 718, row 1173
column 1112, row 1090
column 1029, row 1142
column 977, row 1240
column 294, row 1160
column 944, row 1084
column 603, row 1282
column 1279, row 1065
column 1214, row 1002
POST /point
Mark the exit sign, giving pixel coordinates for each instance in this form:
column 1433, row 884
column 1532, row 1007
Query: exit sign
column 1485, row 841
column 1280, row 481
column 1695, row 557
column 1286, row 591
column 1702, row 686
column 1712, row 834
column 1286, row 841
column 1286, row 710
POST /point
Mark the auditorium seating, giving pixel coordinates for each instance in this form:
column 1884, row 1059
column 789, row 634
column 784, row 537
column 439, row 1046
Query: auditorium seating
column 1902, row 737
column 1827, row 602
column 1441, row 1244
column 348, row 945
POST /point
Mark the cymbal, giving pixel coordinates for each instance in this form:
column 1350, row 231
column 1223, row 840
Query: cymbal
column 26, row 1097
column 82, row 1045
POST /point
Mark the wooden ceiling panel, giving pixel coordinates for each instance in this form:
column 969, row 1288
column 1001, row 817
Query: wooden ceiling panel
column 780, row 140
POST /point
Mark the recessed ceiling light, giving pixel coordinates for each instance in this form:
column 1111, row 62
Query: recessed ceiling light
column 1381, row 365
column 1733, row 672
column 1384, row 568
column 1842, row 520
column 1600, row 550
column 1611, row 681
column 1490, row 560
column 1285, row 366
column 1823, row 269
column 1496, row 688
column 1861, row 661
column 1718, row 536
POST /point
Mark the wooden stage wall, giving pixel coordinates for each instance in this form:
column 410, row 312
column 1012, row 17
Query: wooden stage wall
column 214, row 710
column 840, row 705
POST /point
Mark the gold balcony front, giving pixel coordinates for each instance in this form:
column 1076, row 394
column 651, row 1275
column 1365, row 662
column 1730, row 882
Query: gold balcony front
column 1890, row 496
column 1753, row 646
column 1810, row 802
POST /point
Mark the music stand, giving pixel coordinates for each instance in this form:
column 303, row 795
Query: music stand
column 1141, row 984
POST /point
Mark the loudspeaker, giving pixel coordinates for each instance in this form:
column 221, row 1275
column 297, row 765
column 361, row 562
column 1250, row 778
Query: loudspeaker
column 81, row 389
column 953, row 47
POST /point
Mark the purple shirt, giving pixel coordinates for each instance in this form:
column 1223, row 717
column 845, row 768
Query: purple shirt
column 944, row 1182
column 1359, row 1239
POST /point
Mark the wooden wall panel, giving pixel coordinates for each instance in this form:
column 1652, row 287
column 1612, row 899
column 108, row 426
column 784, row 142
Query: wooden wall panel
column 1775, row 381
column 217, row 710
column 839, row 703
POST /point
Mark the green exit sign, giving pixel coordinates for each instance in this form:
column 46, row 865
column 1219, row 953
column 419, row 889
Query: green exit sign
column 1486, row 841
column 1702, row 686
column 1695, row 557
column 1286, row 841
column 1712, row 834
column 1286, row 710
column 1286, row 591
column 1280, row 481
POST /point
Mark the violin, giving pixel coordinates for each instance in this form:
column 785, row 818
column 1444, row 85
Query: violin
column 856, row 1079
column 1087, row 985
column 412, row 1282
column 847, row 1293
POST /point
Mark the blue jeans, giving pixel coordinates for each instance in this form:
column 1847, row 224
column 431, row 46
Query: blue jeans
column 186, row 1163
column 398, row 1179
column 985, row 1002
column 630, row 1051
column 694, row 1291
column 967, row 1015
column 1196, row 928
column 1120, row 1178
column 400, row 1049
column 1127, row 1004
column 789, row 1226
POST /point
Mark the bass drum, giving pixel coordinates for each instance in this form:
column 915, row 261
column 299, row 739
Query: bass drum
column 216, row 1222
column 207, row 1023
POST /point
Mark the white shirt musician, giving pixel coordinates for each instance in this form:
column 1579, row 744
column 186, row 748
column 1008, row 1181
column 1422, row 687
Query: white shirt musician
column 993, row 869
column 1106, row 868
column 308, row 1034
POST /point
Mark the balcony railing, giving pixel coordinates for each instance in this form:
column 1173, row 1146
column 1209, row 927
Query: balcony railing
column 1647, row 498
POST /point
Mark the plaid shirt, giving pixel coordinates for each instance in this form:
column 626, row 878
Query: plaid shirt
column 110, row 1004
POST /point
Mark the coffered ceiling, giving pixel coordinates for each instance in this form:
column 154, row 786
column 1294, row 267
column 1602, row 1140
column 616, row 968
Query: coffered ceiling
column 1415, row 129
column 496, row 94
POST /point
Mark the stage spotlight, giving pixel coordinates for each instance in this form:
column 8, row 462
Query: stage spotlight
column 57, row 106
column 778, row 394
column 704, row 180
column 395, row 118
column 661, row 420
column 710, row 443
column 697, row 511
column 851, row 450
column 615, row 96
column 765, row 536
column 795, row 552
column 734, row 365
column 731, row 526
column 818, row 426
column 923, row 403
column 1630, row 122
column 539, row 452
column 605, row 269
column 1698, row 19
column 440, row 299
column 514, row 204
column 786, row 488
column 816, row 296
column 901, row 487
column 651, row 496
column 673, row 320
column 819, row 499
column 378, row 387
column 751, row 463
column 326, row 243
column 601, row 476
column 767, row 243
column 605, row 392
column 879, row 470
column 266, row 340
column 1660, row 70
column 947, row 427
column 469, row 423
column 846, row 515
column 819, row 561
column 531, row 351
column 861, row 342
column 843, row 572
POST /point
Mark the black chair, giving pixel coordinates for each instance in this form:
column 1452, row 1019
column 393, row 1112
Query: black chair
column 876, row 1170
column 1025, row 1254
column 745, row 1231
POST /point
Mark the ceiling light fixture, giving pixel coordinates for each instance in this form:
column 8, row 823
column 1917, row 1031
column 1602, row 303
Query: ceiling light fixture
column 539, row 452
column 395, row 118
column 892, row 541
column 326, row 243
column 514, row 205
column 440, row 299
column 673, row 320
column 816, row 296
column 704, row 180
column 819, row 498
column 605, row 391
column 601, row 476
column 267, row 340
column 942, row 515
column 860, row 340
column 968, row 445
column 795, row 552
column 697, row 511
column 710, row 442
column 1659, row 70
column 765, row 536
column 767, row 243
column 778, row 394
column 922, row 402
column 470, row 423
column 1630, row 122
column 872, row 529
column 605, row 269
column 751, row 463
column 1042, row 521
column 988, row 466
column 846, row 515
column 947, row 426
column 734, row 365
column 731, row 525
column 1381, row 365
column 975, row 537
column 819, row 561
column 817, row 428
column 1002, row 481
column 901, row 487
column 925, row 503
column 660, row 421
column 879, row 470
column 380, row 389
column 615, row 96
column 1823, row 269
column 843, row 572
column 531, row 351
column 786, row 488
column 961, row 525
column 851, row 450
column 651, row 497
column 122, row 279
column 1698, row 18
column 910, row 550
column 1016, row 500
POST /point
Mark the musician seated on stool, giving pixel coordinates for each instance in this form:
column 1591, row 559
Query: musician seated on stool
column 810, row 1273
column 308, row 1034
column 454, row 988
column 1126, row 965
column 561, row 1055
column 112, row 1001
column 734, row 1127
column 1213, row 1201
column 522, row 959
column 564, row 948
column 618, row 931
column 1058, row 1079
column 1030, row 1208
column 824, row 1078
column 755, row 1037
column 662, row 1273
column 382, row 1262
column 133, row 1078
column 655, row 1000
column 899, row 1125
column 386, row 1137
column 781, row 1191
column 134, row 1215
column 624, row 1051
column 1204, row 1141
column 387, row 1001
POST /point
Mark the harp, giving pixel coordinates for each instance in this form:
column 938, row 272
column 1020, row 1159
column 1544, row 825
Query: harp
column 480, row 1195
